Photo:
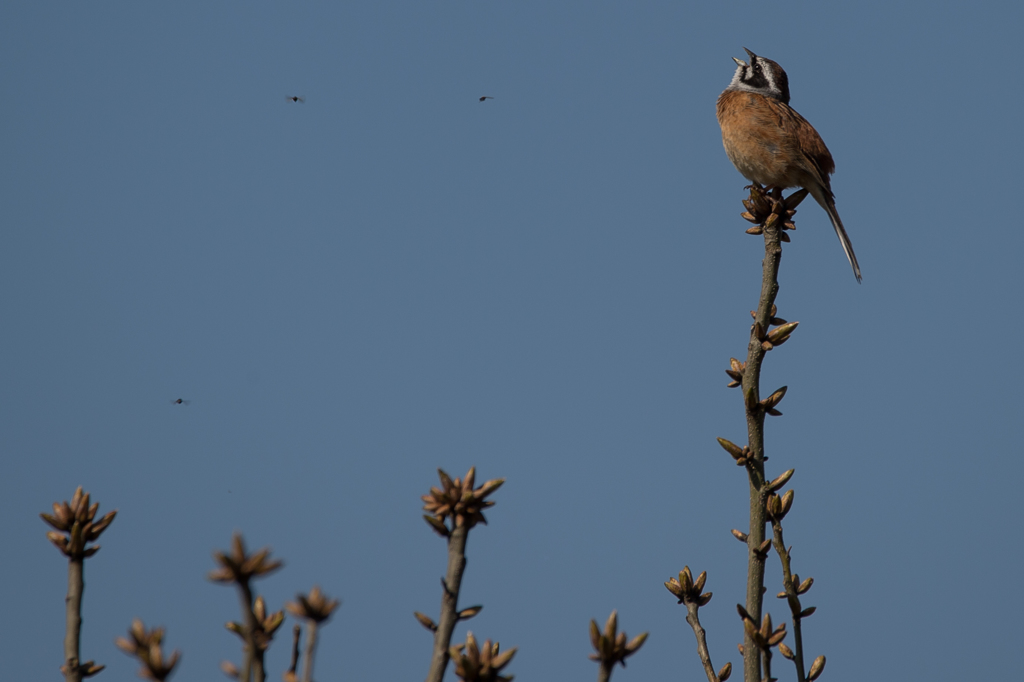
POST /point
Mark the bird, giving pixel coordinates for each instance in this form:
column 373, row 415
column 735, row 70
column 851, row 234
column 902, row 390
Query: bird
column 771, row 144
column 485, row 97
column 296, row 98
column 181, row 401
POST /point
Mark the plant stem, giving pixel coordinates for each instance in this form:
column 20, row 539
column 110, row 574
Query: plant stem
column 702, row 642
column 252, row 660
column 449, row 602
column 73, row 613
column 307, row 665
column 755, row 435
column 793, row 599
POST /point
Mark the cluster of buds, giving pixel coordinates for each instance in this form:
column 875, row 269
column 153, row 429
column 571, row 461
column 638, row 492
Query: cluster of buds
column 778, row 506
column 266, row 625
column 145, row 646
column 239, row 567
column 768, row 404
column 315, row 606
column 458, row 500
column 480, row 663
column 611, row 647
column 687, row 590
column 75, row 525
column 767, row 210
column 735, row 372
column 801, row 588
column 764, row 637
column 770, row 338
column 742, row 455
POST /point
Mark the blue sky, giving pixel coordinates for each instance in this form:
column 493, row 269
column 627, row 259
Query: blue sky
column 394, row 277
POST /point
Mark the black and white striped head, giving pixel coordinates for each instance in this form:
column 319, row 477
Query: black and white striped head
column 762, row 76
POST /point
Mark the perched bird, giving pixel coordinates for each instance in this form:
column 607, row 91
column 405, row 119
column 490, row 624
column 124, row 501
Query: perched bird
column 773, row 145
column 485, row 97
column 296, row 98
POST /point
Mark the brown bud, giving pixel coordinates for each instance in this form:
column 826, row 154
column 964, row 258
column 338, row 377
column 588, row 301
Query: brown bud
column 794, row 199
column 735, row 450
column 774, row 399
column 467, row 613
column 816, row 668
column 725, row 672
column 425, row 620
column 782, row 480
column 435, row 523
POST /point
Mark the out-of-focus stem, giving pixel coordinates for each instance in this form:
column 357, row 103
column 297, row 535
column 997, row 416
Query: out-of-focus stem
column 252, row 656
column 307, row 665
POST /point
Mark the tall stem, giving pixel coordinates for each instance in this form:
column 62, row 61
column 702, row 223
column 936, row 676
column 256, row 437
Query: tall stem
column 755, row 436
column 449, row 602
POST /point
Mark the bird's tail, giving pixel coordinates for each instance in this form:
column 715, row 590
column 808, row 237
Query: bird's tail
column 824, row 197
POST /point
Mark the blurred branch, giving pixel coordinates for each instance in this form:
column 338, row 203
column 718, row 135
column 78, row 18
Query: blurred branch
column 480, row 663
column 75, row 526
column 453, row 509
column 258, row 627
column 314, row 608
column 611, row 646
column 145, row 645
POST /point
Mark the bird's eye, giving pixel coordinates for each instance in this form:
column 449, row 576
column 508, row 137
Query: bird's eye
column 757, row 67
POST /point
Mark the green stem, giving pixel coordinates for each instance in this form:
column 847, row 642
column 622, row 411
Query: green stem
column 793, row 599
column 755, row 435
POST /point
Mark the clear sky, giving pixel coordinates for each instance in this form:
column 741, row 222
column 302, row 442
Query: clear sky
column 394, row 276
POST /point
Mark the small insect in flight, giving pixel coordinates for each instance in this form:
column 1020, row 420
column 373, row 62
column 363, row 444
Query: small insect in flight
column 180, row 401
column 296, row 98
column 485, row 97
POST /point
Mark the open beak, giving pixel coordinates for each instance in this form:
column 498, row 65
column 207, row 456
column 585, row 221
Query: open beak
column 739, row 61
column 750, row 54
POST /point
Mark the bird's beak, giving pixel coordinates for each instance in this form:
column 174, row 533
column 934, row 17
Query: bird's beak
column 739, row 61
column 751, row 54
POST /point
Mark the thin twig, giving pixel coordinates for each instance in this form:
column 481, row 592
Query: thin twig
column 702, row 644
column 793, row 599
column 307, row 665
column 252, row 656
column 449, row 602
column 296, row 636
